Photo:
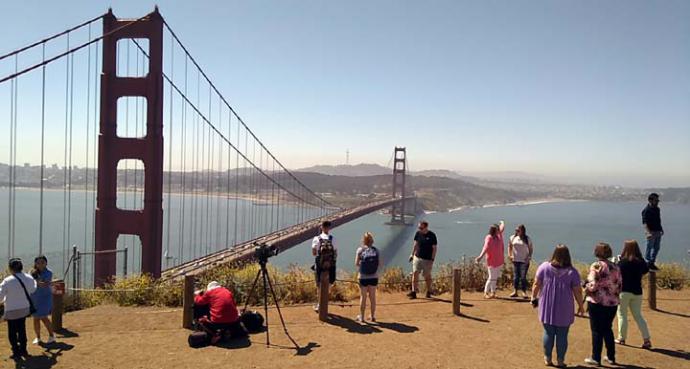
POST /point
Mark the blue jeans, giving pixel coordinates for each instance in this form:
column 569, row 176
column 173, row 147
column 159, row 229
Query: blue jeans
column 520, row 275
column 653, row 246
column 559, row 335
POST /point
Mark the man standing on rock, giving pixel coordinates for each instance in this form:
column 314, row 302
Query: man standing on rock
column 651, row 218
column 422, row 258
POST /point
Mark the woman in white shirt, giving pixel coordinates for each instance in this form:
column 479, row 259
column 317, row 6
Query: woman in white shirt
column 14, row 293
column 520, row 252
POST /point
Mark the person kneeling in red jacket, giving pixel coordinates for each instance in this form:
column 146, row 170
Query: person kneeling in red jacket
column 223, row 316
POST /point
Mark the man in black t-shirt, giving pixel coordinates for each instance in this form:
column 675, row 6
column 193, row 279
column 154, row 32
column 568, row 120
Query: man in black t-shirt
column 422, row 258
column 651, row 218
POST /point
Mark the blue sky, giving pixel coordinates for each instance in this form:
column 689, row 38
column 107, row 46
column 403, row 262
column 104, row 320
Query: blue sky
column 586, row 90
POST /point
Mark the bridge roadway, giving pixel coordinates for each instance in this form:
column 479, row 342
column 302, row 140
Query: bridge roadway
column 282, row 239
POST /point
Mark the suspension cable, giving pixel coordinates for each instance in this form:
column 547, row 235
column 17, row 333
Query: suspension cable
column 235, row 113
column 69, row 51
column 45, row 40
column 247, row 130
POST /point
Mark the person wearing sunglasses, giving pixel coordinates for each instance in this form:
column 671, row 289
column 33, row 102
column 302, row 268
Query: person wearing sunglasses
column 422, row 258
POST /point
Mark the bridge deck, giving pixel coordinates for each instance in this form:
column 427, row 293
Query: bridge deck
column 282, row 239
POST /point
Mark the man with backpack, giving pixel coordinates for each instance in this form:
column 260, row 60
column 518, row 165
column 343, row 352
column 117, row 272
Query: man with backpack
column 325, row 253
column 368, row 261
column 422, row 258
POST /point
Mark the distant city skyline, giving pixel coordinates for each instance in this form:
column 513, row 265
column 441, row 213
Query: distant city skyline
column 587, row 91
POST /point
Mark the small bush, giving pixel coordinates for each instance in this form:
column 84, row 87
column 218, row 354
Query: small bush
column 672, row 276
column 394, row 280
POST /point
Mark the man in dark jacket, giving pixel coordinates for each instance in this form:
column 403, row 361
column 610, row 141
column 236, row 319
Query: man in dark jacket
column 651, row 218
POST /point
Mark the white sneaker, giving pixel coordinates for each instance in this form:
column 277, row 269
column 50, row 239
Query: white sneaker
column 360, row 319
column 316, row 308
column 36, row 341
column 51, row 339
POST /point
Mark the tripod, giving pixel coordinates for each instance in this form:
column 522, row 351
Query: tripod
column 263, row 273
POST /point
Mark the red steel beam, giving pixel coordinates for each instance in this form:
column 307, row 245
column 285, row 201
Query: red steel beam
column 111, row 222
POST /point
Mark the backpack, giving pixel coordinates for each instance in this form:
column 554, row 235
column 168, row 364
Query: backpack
column 252, row 321
column 326, row 255
column 369, row 261
column 198, row 339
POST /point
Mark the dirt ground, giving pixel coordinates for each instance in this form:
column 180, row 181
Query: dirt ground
column 410, row 334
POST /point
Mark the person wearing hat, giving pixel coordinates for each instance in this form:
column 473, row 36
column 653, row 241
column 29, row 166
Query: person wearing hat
column 15, row 292
column 223, row 315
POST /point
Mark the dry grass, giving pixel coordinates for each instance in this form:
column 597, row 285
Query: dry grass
column 296, row 284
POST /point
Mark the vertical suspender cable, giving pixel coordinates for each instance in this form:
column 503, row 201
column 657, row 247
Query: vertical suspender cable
column 202, row 172
column 237, row 186
column 209, row 188
column 209, row 163
column 195, row 213
column 274, row 198
column 246, row 190
column 259, row 200
column 13, row 164
column 219, row 175
column 71, row 140
column 254, row 189
column 227, row 188
column 204, row 178
column 64, row 164
column 276, row 175
column 43, row 135
column 95, row 152
column 170, row 145
column 183, row 156
column 14, row 158
column 9, row 174
column 88, row 136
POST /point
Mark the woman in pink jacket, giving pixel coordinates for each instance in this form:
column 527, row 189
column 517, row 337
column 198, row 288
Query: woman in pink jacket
column 493, row 249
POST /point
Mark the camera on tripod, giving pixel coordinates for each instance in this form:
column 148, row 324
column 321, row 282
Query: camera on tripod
column 264, row 251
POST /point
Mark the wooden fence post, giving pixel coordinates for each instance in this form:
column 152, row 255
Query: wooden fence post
column 323, row 296
column 58, row 291
column 457, row 272
column 651, row 296
column 188, row 302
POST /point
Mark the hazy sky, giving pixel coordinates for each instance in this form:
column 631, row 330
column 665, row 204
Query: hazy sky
column 591, row 90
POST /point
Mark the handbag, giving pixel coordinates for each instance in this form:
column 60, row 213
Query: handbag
column 32, row 308
column 198, row 339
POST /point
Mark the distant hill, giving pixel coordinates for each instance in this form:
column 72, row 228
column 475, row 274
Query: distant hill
column 435, row 193
column 363, row 170
column 677, row 194
column 357, row 170
column 508, row 176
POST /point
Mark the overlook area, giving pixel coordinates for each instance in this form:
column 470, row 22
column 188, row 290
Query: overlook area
column 492, row 334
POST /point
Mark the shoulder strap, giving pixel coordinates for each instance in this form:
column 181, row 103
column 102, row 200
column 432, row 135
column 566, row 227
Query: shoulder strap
column 26, row 293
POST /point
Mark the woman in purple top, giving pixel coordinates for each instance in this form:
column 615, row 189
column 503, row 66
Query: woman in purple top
column 556, row 289
column 603, row 287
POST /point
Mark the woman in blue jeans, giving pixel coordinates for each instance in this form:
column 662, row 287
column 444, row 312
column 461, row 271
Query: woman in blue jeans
column 520, row 251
